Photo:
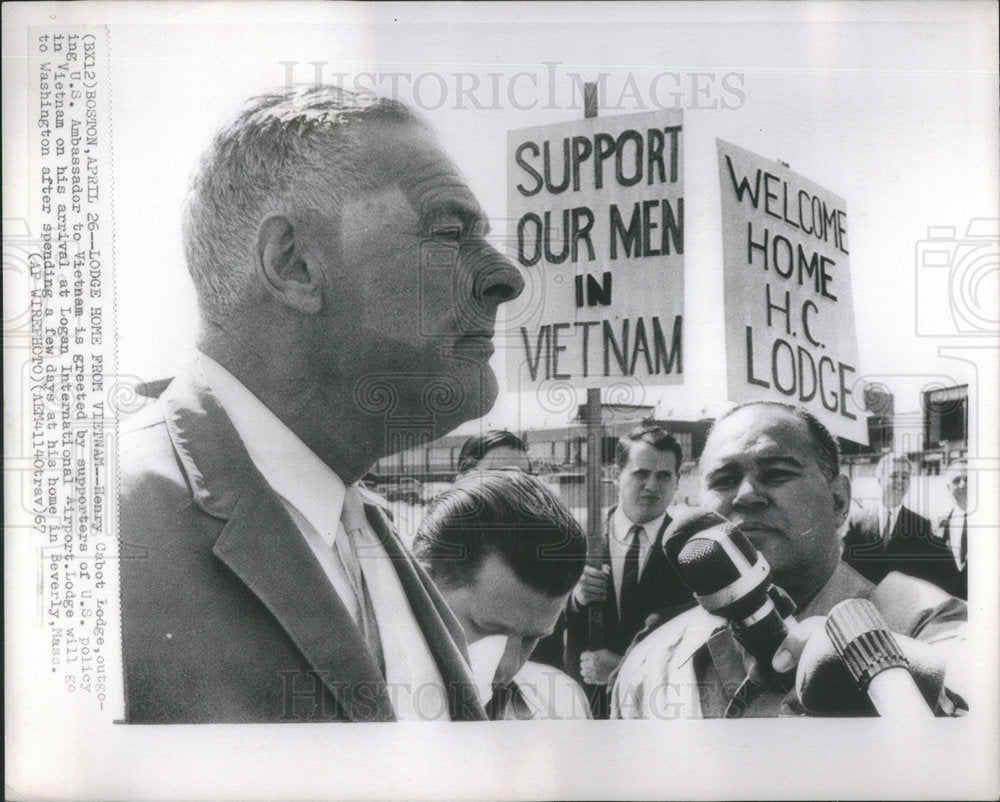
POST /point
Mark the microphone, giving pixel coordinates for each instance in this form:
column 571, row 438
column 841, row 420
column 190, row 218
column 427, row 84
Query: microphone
column 868, row 649
column 730, row 578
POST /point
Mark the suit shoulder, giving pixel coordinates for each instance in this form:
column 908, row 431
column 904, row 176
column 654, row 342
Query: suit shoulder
column 656, row 649
column 917, row 520
column 911, row 605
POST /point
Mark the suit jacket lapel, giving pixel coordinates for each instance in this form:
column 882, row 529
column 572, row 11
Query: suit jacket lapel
column 264, row 548
column 442, row 630
column 652, row 571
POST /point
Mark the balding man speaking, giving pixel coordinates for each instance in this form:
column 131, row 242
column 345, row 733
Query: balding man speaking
column 344, row 286
column 773, row 471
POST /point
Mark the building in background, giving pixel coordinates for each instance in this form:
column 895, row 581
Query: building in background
column 930, row 437
column 946, row 427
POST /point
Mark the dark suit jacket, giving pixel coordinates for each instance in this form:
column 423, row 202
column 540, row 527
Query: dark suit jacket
column 226, row 614
column 660, row 592
column 912, row 549
column 947, row 575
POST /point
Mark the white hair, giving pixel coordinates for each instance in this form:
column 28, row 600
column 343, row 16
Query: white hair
column 300, row 148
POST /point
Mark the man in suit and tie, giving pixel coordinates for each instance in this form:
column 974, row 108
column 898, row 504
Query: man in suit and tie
column 892, row 537
column 953, row 533
column 345, row 290
column 635, row 580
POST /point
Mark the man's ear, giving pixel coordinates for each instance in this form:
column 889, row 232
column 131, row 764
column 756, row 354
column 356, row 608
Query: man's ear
column 288, row 274
column 841, row 487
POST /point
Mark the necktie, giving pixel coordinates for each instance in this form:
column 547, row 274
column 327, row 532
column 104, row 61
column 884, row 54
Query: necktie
column 506, row 703
column 887, row 530
column 352, row 519
column 630, row 575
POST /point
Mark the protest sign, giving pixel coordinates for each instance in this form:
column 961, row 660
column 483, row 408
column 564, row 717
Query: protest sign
column 790, row 333
column 596, row 210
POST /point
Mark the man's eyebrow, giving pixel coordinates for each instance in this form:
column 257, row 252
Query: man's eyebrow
column 732, row 465
column 466, row 212
column 782, row 458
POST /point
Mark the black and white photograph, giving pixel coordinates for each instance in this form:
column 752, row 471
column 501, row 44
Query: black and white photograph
column 508, row 400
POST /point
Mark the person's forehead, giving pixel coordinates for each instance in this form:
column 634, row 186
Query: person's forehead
column 897, row 468
column 759, row 433
column 409, row 157
column 502, row 598
column 643, row 456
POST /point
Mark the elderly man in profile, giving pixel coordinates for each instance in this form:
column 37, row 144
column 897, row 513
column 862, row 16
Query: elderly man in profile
column 344, row 286
column 773, row 470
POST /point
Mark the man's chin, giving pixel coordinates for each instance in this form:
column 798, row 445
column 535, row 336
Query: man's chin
column 458, row 400
column 765, row 541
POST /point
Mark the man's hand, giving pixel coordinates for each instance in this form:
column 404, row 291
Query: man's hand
column 823, row 684
column 593, row 585
column 596, row 667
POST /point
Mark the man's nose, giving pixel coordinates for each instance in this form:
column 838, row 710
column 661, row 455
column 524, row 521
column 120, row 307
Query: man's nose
column 495, row 280
column 748, row 494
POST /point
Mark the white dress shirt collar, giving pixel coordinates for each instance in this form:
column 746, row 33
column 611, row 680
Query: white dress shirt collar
column 621, row 525
column 287, row 464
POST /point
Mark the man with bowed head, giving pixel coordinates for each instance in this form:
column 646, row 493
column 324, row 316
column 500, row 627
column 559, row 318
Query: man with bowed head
column 634, row 580
column 265, row 585
column 505, row 553
column 772, row 469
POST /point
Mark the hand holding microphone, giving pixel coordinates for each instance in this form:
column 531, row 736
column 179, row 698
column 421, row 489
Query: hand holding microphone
column 852, row 664
column 731, row 579
column 847, row 664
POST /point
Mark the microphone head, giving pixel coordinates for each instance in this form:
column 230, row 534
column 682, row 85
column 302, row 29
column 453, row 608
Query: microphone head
column 694, row 545
column 716, row 561
column 686, row 525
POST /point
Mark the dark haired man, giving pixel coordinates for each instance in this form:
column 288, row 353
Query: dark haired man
column 635, row 580
column 773, row 470
column 505, row 553
column 496, row 448
column 263, row 587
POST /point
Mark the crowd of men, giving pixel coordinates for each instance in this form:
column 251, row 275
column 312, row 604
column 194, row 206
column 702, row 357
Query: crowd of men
column 266, row 584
